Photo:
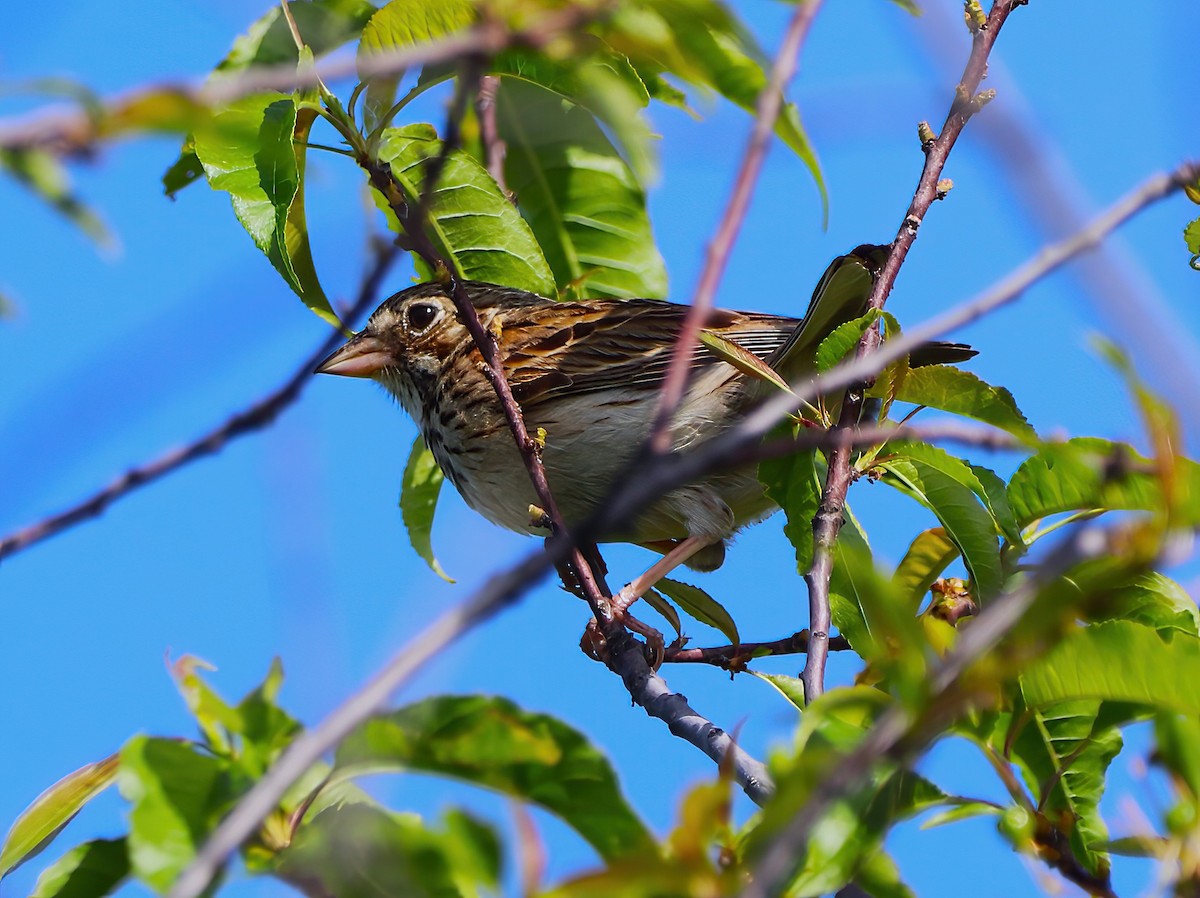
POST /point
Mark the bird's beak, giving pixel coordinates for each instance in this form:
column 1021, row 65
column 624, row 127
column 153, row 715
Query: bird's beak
column 363, row 356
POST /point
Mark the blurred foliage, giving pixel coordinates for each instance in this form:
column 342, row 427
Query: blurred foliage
column 1107, row 642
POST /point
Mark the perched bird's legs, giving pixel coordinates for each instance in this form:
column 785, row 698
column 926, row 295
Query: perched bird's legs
column 639, row 586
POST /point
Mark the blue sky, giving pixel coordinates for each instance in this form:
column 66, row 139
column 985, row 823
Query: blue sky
column 289, row 542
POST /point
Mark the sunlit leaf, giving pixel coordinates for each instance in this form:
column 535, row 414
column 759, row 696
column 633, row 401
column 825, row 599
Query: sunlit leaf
column 39, row 823
column 1119, row 661
column 791, row 688
column 927, row 556
column 177, row 795
column 1064, row 752
column 581, row 200
column 700, row 41
column 324, row 25
column 90, row 870
column 791, row 483
column 395, row 26
column 472, row 224
column 1089, row 473
column 954, row 390
column 1152, row 600
column 359, row 851
column 950, row 489
column 249, row 151
column 1191, row 236
column 491, row 742
column 700, row 605
column 742, row 359
column 418, row 502
column 603, row 84
column 842, row 340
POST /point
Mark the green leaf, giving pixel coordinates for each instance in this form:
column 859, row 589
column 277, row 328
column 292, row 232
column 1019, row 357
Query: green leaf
column 324, row 24
column 418, row 502
column 1191, row 236
column 39, row 823
column 660, row 604
column 186, row 170
column 791, row 483
column 700, row 605
column 960, row 392
column 266, row 728
column 1089, row 473
column 908, row 6
column 471, row 224
column 44, row 175
column 1064, row 756
column 249, row 152
column 604, row 84
column 1118, row 661
column 742, row 359
column 358, row 851
column 866, row 609
column 178, row 794
column 950, row 489
column 850, row 835
column 1152, row 600
column 791, row 688
column 90, row 870
column 491, row 742
column 701, row 42
column 581, row 200
column 927, row 556
column 842, row 340
column 395, row 26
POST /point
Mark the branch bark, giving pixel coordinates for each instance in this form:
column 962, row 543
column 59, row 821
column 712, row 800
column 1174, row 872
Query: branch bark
column 828, row 521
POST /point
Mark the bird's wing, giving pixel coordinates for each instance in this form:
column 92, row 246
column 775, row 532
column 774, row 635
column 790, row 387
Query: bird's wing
column 619, row 344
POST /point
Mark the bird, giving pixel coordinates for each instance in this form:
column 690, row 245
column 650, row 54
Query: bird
column 587, row 375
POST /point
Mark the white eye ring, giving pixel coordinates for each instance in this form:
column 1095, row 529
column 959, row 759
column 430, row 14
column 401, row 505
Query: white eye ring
column 420, row 316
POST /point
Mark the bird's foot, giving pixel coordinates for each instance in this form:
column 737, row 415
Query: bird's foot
column 595, row 645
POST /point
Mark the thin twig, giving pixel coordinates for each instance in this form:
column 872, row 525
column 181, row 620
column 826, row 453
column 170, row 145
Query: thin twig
column 494, row 148
column 966, row 103
column 1058, row 202
column 769, row 103
column 734, row 657
column 828, row 521
column 250, row 419
column 74, row 130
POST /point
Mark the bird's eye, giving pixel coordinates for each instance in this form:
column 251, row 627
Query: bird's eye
column 420, row 316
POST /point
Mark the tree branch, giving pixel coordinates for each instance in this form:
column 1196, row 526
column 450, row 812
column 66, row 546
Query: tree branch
column 769, row 103
column 734, row 657
column 75, row 130
column 828, row 521
column 499, row 591
column 255, row 417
